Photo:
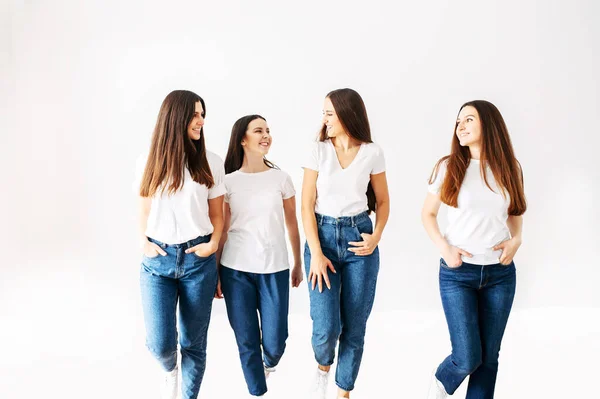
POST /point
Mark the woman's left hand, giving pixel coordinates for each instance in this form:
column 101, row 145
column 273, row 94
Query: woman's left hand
column 365, row 247
column 203, row 250
column 509, row 249
column 297, row 275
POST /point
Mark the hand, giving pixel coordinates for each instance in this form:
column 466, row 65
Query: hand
column 318, row 271
column 452, row 256
column 203, row 250
column 365, row 247
column 509, row 249
column 218, row 291
column 297, row 275
column 152, row 250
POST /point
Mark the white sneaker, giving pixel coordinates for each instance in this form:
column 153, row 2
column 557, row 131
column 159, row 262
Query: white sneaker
column 268, row 370
column 319, row 389
column 436, row 389
column 170, row 384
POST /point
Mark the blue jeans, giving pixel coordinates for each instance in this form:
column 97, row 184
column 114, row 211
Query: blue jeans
column 342, row 311
column 245, row 295
column 477, row 301
column 192, row 281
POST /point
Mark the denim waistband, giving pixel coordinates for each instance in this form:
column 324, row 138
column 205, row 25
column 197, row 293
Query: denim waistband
column 342, row 220
column 187, row 244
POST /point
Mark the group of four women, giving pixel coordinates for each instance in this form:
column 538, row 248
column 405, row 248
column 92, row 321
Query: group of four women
column 217, row 230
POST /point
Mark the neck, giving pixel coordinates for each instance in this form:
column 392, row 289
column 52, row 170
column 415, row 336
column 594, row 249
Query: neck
column 475, row 151
column 253, row 163
column 344, row 142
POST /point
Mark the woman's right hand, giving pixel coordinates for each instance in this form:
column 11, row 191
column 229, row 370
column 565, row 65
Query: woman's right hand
column 318, row 271
column 219, row 291
column 151, row 250
column 452, row 256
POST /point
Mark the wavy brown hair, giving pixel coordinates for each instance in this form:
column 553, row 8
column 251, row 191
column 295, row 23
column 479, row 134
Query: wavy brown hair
column 496, row 153
column 235, row 153
column 172, row 150
column 352, row 113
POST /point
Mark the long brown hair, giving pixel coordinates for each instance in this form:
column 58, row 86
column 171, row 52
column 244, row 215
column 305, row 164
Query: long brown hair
column 352, row 113
column 496, row 153
column 172, row 149
column 235, row 153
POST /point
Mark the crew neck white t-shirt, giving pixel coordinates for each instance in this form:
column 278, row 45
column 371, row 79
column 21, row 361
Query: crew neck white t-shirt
column 480, row 221
column 256, row 238
column 343, row 192
column 182, row 216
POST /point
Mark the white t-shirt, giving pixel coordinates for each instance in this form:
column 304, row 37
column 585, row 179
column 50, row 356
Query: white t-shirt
column 479, row 222
column 256, row 237
column 183, row 216
column 343, row 192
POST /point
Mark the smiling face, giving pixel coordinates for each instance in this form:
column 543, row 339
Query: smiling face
column 468, row 127
column 258, row 138
column 195, row 127
column 331, row 121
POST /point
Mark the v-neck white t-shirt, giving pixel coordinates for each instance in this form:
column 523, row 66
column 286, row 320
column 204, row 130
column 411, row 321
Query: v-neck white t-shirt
column 343, row 192
column 480, row 221
column 256, row 237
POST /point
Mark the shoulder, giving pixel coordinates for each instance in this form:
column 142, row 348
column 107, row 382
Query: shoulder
column 213, row 158
column 373, row 148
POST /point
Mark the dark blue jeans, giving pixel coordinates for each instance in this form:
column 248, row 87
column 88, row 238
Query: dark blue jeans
column 191, row 281
column 245, row 295
column 342, row 311
column 477, row 301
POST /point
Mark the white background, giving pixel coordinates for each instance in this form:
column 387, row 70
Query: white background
column 81, row 86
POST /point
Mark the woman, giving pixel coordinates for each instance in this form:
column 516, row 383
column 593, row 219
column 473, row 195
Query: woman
column 481, row 182
column 254, row 266
column 181, row 217
column 344, row 180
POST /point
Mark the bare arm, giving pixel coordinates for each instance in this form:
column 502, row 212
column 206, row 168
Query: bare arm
column 510, row 247
column 291, row 222
column 309, row 221
column 382, row 195
column 370, row 241
column 318, row 262
column 147, row 247
column 451, row 254
column 226, row 225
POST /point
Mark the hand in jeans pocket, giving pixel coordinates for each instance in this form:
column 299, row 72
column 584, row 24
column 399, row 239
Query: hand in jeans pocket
column 452, row 256
column 152, row 250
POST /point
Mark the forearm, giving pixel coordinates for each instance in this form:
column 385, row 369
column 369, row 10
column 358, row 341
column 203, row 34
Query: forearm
column 309, row 221
column 381, row 218
column 433, row 231
column 515, row 226
column 294, row 237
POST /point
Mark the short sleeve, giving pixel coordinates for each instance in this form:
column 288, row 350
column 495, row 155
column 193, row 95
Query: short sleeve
column 227, row 182
column 312, row 161
column 287, row 191
column 378, row 161
column 140, row 165
column 218, row 173
column 438, row 178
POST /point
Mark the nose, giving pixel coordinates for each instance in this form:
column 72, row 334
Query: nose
column 200, row 121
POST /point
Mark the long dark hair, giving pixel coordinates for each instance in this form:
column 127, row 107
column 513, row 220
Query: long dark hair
column 496, row 152
column 172, row 149
column 235, row 152
column 352, row 113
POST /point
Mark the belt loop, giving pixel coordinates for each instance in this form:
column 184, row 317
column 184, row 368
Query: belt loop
column 320, row 219
column 353, row 221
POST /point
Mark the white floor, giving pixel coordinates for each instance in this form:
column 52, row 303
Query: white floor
column 89, row 352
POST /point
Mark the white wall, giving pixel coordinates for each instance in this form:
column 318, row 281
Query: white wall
column 82, row 83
